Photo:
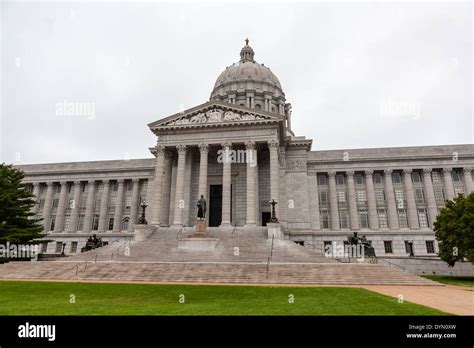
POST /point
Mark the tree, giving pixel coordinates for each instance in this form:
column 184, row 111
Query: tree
column 454, row 229
column 18, row 225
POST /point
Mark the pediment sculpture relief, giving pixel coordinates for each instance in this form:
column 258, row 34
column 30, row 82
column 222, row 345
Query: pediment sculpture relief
column 215, row 115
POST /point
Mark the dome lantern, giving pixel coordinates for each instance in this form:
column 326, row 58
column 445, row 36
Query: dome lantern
column 247, row 53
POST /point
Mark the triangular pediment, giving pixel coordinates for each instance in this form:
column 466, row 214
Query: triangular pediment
column 213, row 114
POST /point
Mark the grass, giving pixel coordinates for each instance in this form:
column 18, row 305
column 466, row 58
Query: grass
column 53, row 298
column 452, row 280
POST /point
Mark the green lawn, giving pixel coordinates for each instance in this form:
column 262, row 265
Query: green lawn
column 51, row 298
column 460, row 281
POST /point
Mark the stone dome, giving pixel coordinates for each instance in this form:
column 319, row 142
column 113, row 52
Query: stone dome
column 249, row 79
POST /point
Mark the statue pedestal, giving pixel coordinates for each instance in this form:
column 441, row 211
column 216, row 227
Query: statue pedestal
column 199, row 240
column 141, row 232
column 201, row 230
column 274, row 230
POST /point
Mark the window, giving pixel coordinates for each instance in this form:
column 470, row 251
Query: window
column 129, row 185
column 322, row 180
column 416, row 177
column 66, row 222
column 128, row 202
column 387, row 244
column 419, row 195
column 41, row 203
column 113, row 202
column 396, row 178
column 115, row 186
column 83, row 202
column 382, row 217
column 359, row 179
column 44, row 247
column 83, row 187
column 430, row 247
column 361, row 196
column 423, row 218
column 323, row 197
column 80, row 223
column 95, row 222
column 59, row 247
column 125, row 223
column 111, row 224
column 407, row 247
column 57, row 188
column 340, row 179
column 377, row 179
column 435, row 177
column 456, row 176
column 343, row 218
column 400, row 198
column 55, row 203
column 380, row 196
column 341, row 196
column 52, row 222
column 402, row 218
column 324, row 218
column 144, row 186
column 97, row 203
column 458, row 191
column 439, row 195
column 73, row 247
column 363, row 218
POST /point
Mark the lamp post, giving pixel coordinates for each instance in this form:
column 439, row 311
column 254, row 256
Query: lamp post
column 273, row 218
column 142, row 220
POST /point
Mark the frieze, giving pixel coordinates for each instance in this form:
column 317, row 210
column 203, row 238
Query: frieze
column 296, row 165
column 214, row 116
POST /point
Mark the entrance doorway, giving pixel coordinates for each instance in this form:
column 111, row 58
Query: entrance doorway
column 265, row 218
column 215, row 205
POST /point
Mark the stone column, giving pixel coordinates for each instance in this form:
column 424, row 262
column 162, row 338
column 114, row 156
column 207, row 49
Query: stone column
column 119, row 206
column 226, row 184
column 204, row 151
column 60, row 213
column 391, row 204
column 36, row 190
column 75, row 206
column 274, row 175
column 167, row 184
column 468, row 180
column 47, row 206
column 251, row 181
column 448, row 183
column 158, row 185
column 89, row 207
column 104, row 207
column 135, row 203
column 314, row 201
column 410, row 198
column 430, row 197
column 179, row 191
column 371, row 204
column 333, row 208
column 352, row 199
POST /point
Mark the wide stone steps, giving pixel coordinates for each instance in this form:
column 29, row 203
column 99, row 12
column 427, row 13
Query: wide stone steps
column 275, row 273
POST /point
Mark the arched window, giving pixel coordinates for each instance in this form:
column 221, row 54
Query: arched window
column 258, row 107
column 125, row 223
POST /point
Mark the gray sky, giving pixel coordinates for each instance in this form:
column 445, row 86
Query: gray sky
column 357, row 74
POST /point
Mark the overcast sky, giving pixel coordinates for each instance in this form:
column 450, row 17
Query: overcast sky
column 357, row 74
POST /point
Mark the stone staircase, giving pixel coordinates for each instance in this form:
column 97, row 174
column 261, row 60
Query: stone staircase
column 242, row 256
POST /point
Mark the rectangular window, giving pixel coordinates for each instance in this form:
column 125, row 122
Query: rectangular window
column 324, row 218
column 80, row 223
column 129, row 185
column 111, row 224
column 66, row 222
column 430, row 247
column 73, row 247
column 341, row 196
column 377, row 178
column 95, row 222
column 387, row 244
column 382, row 217
column 400, row 198
column 83, row 203
column 359, row 179
column 53, row 221
column 59, row 247
column 435, row 177
column 97, row 203
column 423, row 218
column 44, row 247
column 361, row 196
column 344, row 218
column 322, row 180
column 340, row 179
column 416, row 177
column 363, row 218
column 458, row 191
column 113, row 202
column 323, row 197
column 396, row 178
column 419, row 195
column 380, row 196
column 115, row 186
column 128, row 202
column 407, row 247
column 456, row 176
column 55, row 203
column 402, row 218
column 57, row 188
column 144, row 186
column 439, row 195
column 41, row 203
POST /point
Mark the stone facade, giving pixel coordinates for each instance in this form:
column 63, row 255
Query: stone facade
column 239, row 152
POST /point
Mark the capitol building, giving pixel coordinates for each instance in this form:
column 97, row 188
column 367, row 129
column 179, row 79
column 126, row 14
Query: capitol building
column 239, row 151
